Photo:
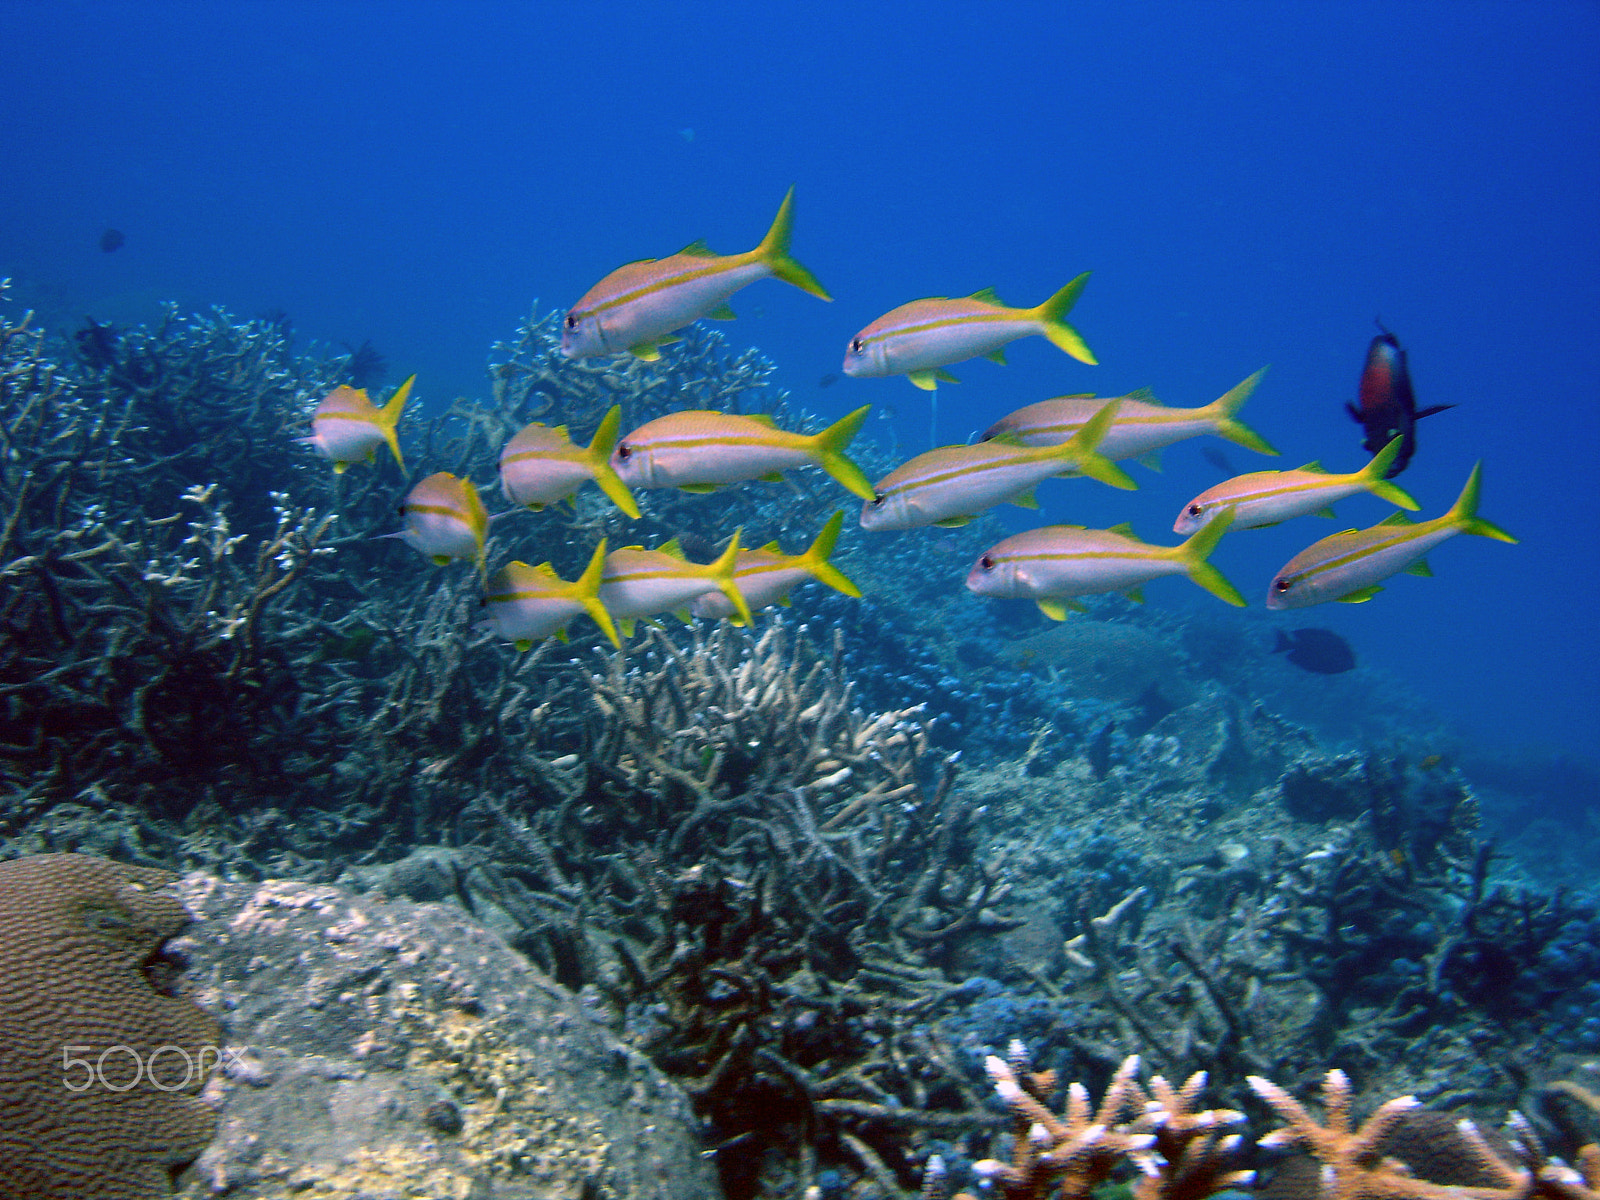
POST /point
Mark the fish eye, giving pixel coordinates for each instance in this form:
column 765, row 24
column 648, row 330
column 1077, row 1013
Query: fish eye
column 877, row 499
column 986, row 562
column 856, row 346
column 1282, row 584
column 572, row 321
column 624, row 451
column 1196, row 509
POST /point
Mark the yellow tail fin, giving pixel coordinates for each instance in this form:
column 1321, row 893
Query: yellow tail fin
column 599, row 458
column 1063, row 336
column 815, row 560
column 389, row 418
column 774, row 251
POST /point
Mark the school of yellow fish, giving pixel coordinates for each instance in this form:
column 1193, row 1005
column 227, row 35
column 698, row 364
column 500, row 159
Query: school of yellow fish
column 642, row 306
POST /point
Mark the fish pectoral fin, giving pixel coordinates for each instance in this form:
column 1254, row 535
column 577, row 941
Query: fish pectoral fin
column 626, row 625
column 925, row 380
column 954, row 522
column 722, row 312
column 684, row 615
column 1420, row 567
column 523, row 645
column 998, row 354
column 439, row 560
column 1361, row 595
column 699, row 489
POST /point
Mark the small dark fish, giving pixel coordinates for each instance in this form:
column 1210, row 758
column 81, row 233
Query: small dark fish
column 97, row 344
column 1219, row 460
column 1319, row 650
column 365, row 368
column 112, row 239
column 828, row 380
column 1388, row 407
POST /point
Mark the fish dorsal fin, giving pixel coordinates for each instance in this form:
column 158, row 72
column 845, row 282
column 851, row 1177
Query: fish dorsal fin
column 1125, row 529
column 1079, row 396
column 760, row 419
column 987, row 296
column 672, row 550
column 722, row 312
column 546, row 571
column 1397, row 518
column 771, row 547
column 1315, row 467
column 698, row 249
column 1144, row 396
column 1420, row 567
column 1006, row 437
column 559, row 431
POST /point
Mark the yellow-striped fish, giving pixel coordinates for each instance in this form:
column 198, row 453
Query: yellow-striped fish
column 444, row 519
column 700, row 450
column 1350, row 566
column 638, row 307
column 1053, row 564
column 641, row 583
column 528, row 604
column 920, row 339
column 767, row 576
column 541, row 465
column 1267, row 497
column 948, row 486
column 348, row 427
column 1142, row 427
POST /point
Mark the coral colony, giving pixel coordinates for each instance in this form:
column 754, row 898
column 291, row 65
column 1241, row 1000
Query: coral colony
column 845, row 871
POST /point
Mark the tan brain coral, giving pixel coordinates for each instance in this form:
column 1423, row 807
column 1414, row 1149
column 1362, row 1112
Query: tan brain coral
column 100, row 1059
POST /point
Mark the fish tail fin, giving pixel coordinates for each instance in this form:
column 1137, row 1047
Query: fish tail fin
column 722, row 572
column 598, row 455
column 1194, row 552
column 774, row 251
column 1224, row 409
column 815, row 559
column 1464, row 513
column 586, row 591
column 1082, row 450
column 829, row 446
column 1375, row 477
column 1052, row 314
column 389, row 418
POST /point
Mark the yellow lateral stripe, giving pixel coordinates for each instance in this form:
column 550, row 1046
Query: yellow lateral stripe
column 721, row 266
column 716, row 440
column 973, row 469
column 943, row 323
column 439, row 510
column 1080, row 555
column 1365, row 551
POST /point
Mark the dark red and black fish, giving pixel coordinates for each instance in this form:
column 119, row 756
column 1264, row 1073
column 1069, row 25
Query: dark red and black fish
column 112, row 239
column 1319, row 650
column 1388, row 407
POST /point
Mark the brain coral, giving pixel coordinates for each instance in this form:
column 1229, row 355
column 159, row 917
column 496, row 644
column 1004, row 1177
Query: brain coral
column 100, row 1059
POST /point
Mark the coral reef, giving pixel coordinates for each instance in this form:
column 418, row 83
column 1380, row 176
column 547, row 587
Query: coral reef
column 92, row 1101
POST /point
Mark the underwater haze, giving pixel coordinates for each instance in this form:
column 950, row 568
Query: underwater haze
column 1250, row 184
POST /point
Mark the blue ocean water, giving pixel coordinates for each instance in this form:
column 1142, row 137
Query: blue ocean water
column 1250, row 183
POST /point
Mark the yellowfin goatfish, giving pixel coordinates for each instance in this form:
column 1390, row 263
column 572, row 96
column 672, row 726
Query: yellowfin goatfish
column 1267, row 497
column 541, row 465
column 641, row 583
column 638, row 307
column 949, row 485
column 1053, row 564
column 699, row 449
column 1142, row 427
column 767, row 576
column 1350, row 566
column 921, row 338
column 528, row 604
column 444, row 519
column 348, row 428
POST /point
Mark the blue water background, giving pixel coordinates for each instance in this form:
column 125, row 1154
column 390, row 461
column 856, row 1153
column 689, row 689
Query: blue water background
column 1250, row 183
